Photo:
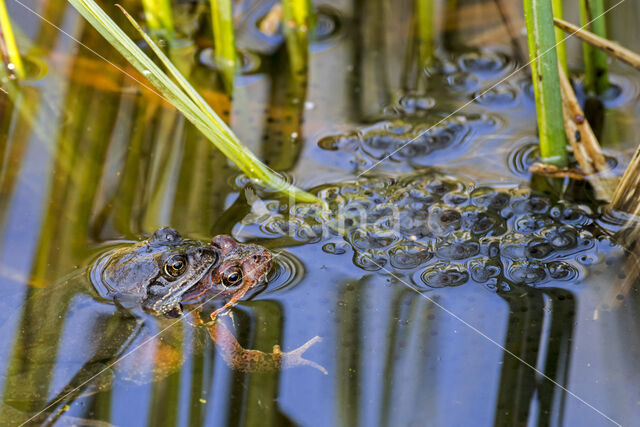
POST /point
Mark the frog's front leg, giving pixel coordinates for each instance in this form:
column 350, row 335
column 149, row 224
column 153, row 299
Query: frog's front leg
column 244, row 360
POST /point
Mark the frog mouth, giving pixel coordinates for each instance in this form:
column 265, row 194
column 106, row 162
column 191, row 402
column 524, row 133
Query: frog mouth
column 198, row 289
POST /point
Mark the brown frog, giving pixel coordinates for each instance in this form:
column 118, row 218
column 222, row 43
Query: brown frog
column 166, row 272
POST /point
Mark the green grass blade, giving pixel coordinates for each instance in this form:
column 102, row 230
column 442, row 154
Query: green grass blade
column 186, row 100
column 177, row 75
column 596, row 67
column 546, row 81
column 225, row 53
column 561, row 48
column 10, row 42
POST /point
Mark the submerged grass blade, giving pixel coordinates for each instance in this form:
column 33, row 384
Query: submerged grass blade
column 225, row 53
column 186, row 99
column 10, row 42
column 298, row 23
column 546, row 83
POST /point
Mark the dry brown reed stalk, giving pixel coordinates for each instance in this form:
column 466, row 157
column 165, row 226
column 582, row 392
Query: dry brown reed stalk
column 586, row 148
column 607, row 46
column 585, row 145
column 627, row 196
column 581, row 137
column 556, row 172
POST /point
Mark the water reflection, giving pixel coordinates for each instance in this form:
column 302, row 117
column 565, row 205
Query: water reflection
column 88, row 156
column 537, row 352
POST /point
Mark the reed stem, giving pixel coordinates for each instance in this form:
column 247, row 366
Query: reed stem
column 595, row 62
column 425, row 30
column 176, row 89
column 13, row 54
column 225, row 52
column 546, row 83
column 298, row 15
column 610, row 48
column 561, row 47
column 158, row 15
column 298, row 20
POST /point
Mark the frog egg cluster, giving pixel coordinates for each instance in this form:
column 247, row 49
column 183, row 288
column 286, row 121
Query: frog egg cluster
column 403, row 141
column 415, row 131
column 469, row 71
column 445, row 233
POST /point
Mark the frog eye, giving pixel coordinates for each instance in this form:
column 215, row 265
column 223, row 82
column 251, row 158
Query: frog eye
column 232, row 277
column 175, row 266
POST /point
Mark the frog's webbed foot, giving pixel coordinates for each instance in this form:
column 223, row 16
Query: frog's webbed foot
column 245, row 360
column 294, row 358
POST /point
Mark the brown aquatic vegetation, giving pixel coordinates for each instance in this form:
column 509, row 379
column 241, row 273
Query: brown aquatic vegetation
column 611, row 48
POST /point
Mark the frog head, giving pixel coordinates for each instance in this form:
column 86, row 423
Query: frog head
column 158, row 272
column 242, row 268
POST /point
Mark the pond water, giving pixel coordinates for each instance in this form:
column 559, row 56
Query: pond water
column 449, row 285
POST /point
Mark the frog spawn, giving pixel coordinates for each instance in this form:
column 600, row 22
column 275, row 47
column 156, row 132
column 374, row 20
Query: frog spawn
column 388, row 139
column 443, row 233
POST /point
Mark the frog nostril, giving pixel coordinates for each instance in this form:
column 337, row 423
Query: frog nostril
column 261, row 259
column 156, row 288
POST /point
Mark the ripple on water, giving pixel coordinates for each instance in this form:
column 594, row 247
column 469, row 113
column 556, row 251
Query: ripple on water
column 328, row 27
column 34, row 68
column 622, row 90
column 471, row 70
column 287, row 272
column 523, row 156
column 486, row 64
column 241, row 181
column 500, row 97
column 250, row 62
